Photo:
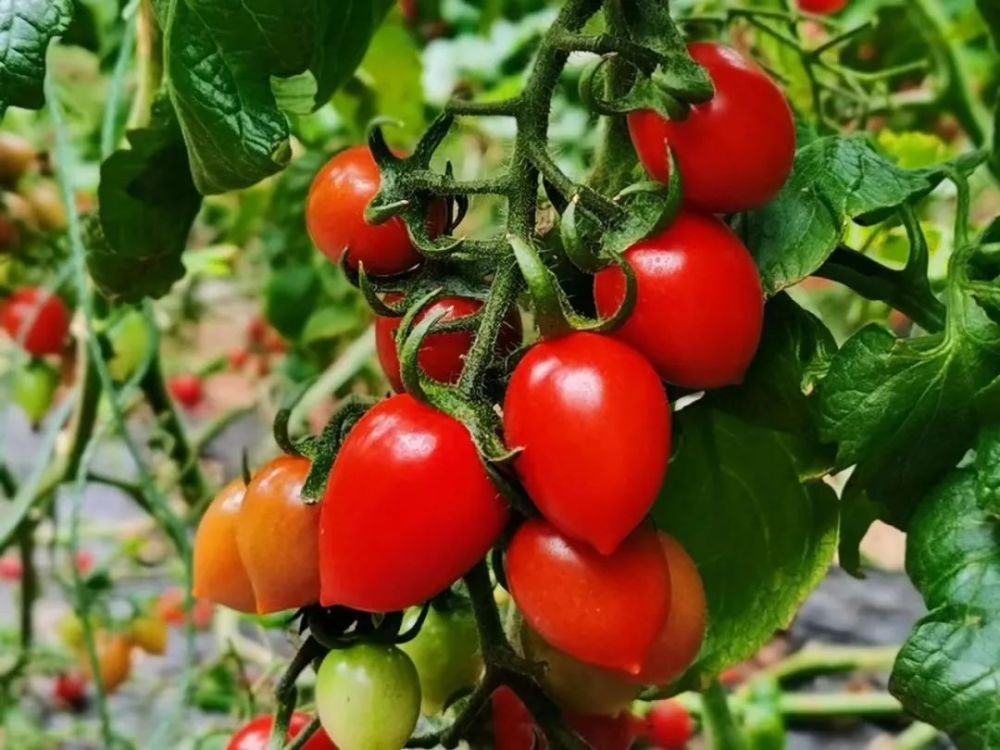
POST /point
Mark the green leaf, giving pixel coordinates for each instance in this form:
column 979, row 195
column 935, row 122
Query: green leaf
column 221, row 57
column 26, row 28
column 991, row 12
column 834, row 180
column 290, row 298
column 148, row 203
column 988, row 470
column 747, row 501
column 948, row 671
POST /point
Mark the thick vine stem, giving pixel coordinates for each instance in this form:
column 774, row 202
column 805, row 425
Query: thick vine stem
column 287, row 694
column 722, row 730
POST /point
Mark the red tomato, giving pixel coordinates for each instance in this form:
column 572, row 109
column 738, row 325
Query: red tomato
column 36, row 319
column 70, row 690
column 219, row 573
column 515, row 729
column 11, row 569
column 822, row 7
column 678, row 643
column 442, row 354
column 277, row 534
column 670, row 725
column 335, row 217
column 170, row 608
column 238, row 359
column 408, row 510
column 187, row 390
column 256, row 734
column 735, row 152
column 700, row 306
column 593, row 421
column 84, row 562
column 602, row 609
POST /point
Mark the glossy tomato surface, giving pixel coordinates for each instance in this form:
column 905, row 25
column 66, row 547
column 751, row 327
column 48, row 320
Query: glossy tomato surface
column 335, row 215
column 700, row 307
column 735, row 151
column 277, row 535
column 822, row 7
column 409, row 508
column 37, row 319
column 219, row 573
column 442, row 354
column 678, row 643
column 593, row 423
column 601, row 609
column 257, row 734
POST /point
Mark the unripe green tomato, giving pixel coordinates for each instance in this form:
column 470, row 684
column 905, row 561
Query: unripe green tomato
column 445, row 652
column 34, row 388
column 70, row 630
column 130, row 341
column 368, row 697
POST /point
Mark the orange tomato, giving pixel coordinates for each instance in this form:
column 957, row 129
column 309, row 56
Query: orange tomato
column 219, row 573
column 114, row 659
column 278, row 537
column 150, row 634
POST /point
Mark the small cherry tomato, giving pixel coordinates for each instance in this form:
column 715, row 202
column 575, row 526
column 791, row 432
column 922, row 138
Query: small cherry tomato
column 670, row 725
column 445, row 653
column 11, row 569
column 581, row 403
column 70, row 630
column 47, row 204
column 70, row 690
column 130, row 343
column 149, row 634
column 170, row 608
column 16, row 157
column 84, row 562
column 605, row 610
column 368, row 697
column 238, row 359
column 678, row 643
column 822, row 7
column 409, row 509
column 442, row 354
column 335, row 215
column 36, row 319
column 735, row 151
column 277, row 535
column 700, row 308
column 575, row 685
column 187, row 390
column 114, row 659
column 219, row 573
column 257, row 734
column 34, row 389
column 515, row 729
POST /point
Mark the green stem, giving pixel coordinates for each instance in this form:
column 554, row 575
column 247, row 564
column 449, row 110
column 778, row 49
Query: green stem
column 722, row 730
column 287, row 694
column 916, row 737
column 498, row 305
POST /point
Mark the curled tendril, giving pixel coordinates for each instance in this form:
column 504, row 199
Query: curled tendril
column 378, row 305
column 383, row 155
column 284, row 441
column 414, row 630
column 432, row 139
column 411, row 339
column 647, row 93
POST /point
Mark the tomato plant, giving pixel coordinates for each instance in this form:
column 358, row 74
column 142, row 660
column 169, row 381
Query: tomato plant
column 257, row 733
column 188, row 390
column 670, row 725
column 38, row 320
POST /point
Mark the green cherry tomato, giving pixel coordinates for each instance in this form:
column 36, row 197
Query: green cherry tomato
column 445, row 652
column 130, row 341
column 368, row 697
column 34, row 388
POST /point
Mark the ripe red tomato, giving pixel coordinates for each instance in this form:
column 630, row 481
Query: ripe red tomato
column 735, row 152
column 514, row 728
column 442, row 354
column 602, row 609
column 587, row 403
column 277, row 536
column 36, row 319
column 257, row 734
column 409, row 508
column 11, row 569
column 335, row 217
column 170, row 608
column 70, row 690
column 700, row 307
column 187, row 390
column 670, row 725
column 219, row 573
column 679, row 641
column 822, row 7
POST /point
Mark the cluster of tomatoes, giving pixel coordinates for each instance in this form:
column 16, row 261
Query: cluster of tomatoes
column 607, row 601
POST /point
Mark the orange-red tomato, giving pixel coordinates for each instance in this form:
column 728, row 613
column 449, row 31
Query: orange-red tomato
column 278, row 537
column 680, row 639
column 170, row 608
column 36, row 319
column 114, row 659
column 219, row 573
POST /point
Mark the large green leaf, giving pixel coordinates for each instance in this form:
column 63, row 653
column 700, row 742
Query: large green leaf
column 991, row 12
column 221, row 59
column 948, row 671
column 748, row 501
column 26, row 28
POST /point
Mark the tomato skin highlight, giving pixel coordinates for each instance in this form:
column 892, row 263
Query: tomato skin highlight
column 735, row 152
column 36, row 319
column 257, row 734
column 670, row 725
column 442, row 354
column 406, row 463
column 822, row 7
column 699, row 312
column 277, row 535
column 219, row 573
column 580, row 402
column 335, row 209
column 678, row 643
column 605, row 610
